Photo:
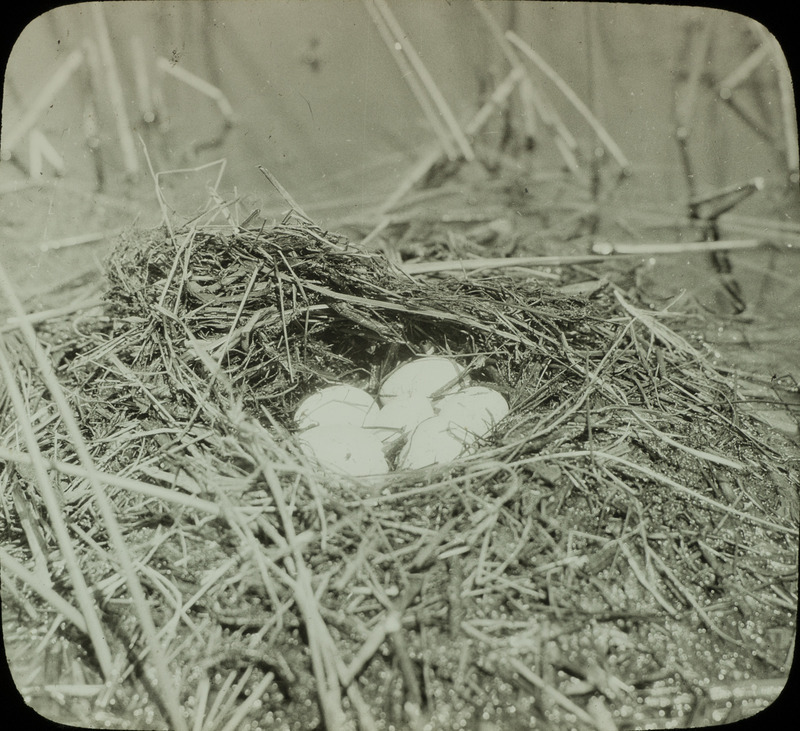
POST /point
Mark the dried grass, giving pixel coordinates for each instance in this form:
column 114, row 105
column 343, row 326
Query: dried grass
column 616, row 520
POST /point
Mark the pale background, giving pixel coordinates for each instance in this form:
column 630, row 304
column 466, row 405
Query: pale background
column 318, row 99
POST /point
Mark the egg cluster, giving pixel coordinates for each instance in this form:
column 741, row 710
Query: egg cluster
column 423, row 416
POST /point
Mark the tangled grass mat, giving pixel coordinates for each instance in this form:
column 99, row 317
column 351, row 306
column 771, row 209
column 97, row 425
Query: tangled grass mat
column 620, row 553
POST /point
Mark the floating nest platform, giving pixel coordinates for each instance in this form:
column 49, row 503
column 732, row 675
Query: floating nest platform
column 623, row 539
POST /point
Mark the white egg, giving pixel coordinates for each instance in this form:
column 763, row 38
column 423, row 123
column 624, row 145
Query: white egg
column 476, row 408
column 398, row 417
column 435, row 441
column 348, row 450
column 421, row 377
column 343, row 404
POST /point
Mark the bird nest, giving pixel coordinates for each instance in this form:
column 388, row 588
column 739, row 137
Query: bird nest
column 625, row 515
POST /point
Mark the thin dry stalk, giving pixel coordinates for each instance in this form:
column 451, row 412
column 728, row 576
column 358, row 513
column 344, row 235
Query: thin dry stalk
column 78, row 240
column 109, row 519
column 645, row 580
column 517, row 666
column 649, row 248
column 692, row 600
column 410, row 77
column 790, row 146
column 685, row 105
column 484, row 114
column 201, row 702
column 52, row 597
column 667, row 336
column 564, row 140
column 91, row 620
column 284, row 193
column 372, row 643
column 323, row 653
column 767, row 689
column 225, row 698
column 30, row 523
column 734, row 464
column 198, row 84
column 44, row 99
column 434, row 267
column 574, row 99
column 40, row 151
column 743, row 71
column 425, row 77
column 242, row 711
column 144, row 91
column 711, row 206
column 116, row 94
column 664, row 479
column 527, row 99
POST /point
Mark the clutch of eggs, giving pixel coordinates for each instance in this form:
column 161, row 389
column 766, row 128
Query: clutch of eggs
column 424, row 407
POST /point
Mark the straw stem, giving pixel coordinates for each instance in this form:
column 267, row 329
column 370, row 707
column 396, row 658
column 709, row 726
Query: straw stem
column 88, row 608
column 650, row 248
column 144, row 93
column 52, row 597
column 573, row 98
column 284, row 193
column 743, row 71
column 526, row 95
column 198, row 84
column 141, row 606
column 410, row 77
column 44, row 99
column 116, row 95
column 402, row 38
column 169, row 495
column 427, row 161
column 788, row 113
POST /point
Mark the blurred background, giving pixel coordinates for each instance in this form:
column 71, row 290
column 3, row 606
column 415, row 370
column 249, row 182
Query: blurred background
column 312, row 92
column 696, row 99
